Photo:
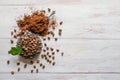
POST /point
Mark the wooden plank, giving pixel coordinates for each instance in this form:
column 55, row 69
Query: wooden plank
column 37, row 2
column 60, row 77
column 81, row 55
column 80, row 21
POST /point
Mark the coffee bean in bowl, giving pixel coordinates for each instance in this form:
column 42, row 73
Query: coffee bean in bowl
column 31, row 45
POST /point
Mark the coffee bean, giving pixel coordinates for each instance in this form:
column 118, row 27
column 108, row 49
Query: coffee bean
column 11, row 33
column 8, row 62
column 34, row 66
column 11, row 41
column 32, row 71
column 15, row 30
column 38, row 61
column 48, row 38
column 43, row 67
column 56, row 39
column 45, row 44
column 25, row 65
column 18, row 63
column 49, row 9
column 31, row 62
column 57, row 50
column 61, row 22
column 40, row 64
column 19, row 69
column 53, row 53
column 53, row 58
column 37, row 70
column 62, row 54
column 53, row 63
column 12, row 72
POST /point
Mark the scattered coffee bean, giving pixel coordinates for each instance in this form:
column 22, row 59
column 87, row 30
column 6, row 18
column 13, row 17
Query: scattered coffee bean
column 47, row 53
column 18, row 69
column 53, row 63
column 56, row 39
column 37, row 70
column 44, row 39
column 15, row 36
column 11, row 41
column 53, row 57
column 18, row 63
column 49, row 9
column 40, row 64
column 53, row 53
column 11, row 33
column 8, row 62
column 57, row 50
column 49, row 56
column 44, row 50
column 34, row 67
column 31, row 62
column 51, row 49
column 43, row 67
column 62, row 54
column 61, row 22
column 25, row 65
column 47, row 48
column 15, row 30
column 38, row 61
column 32, row 71
column 12, row 72
column 48, row 38
column 45, row 44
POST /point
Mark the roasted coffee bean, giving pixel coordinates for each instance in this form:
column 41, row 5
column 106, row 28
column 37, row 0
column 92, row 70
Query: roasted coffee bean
column 56, row 39
column 15, row 30
column 32, row 71
column 53, row 63
column 8, row 62
column 38, row 61
column 11, row 33
column 18, row 63
column 53, row 57
column 61, row 22
column 45, row 44
column 37, row 70
column 31, row 62
column 47, row 48
column 18, row 69
column 34, row 67
column 11, row 41
column 25, row 65
column 62, row 54
column 47, row 53
column 53, row 53
column 43, row 67
column 40, row 64
column 49, row 9
column 44, row 50
column 51, row 49
column 12, row 72
column 57, row 50
column 48, row 38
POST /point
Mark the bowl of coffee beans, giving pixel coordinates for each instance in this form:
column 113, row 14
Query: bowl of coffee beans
column 31, row 45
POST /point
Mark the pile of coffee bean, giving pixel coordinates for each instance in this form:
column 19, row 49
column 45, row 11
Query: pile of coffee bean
column 30, row 44
column 28, row 33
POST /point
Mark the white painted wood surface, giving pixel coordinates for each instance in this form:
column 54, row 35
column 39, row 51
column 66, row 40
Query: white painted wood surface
column 91, row 39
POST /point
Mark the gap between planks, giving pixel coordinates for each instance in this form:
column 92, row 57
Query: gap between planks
column 64, row 73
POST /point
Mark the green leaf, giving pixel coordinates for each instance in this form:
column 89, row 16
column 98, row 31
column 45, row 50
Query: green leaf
column 16, row 50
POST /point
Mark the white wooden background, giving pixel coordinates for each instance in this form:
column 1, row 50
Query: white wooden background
column 91, row 39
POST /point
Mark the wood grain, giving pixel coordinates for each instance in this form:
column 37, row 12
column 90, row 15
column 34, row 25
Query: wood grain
column 84, row 22
column 90, row 40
